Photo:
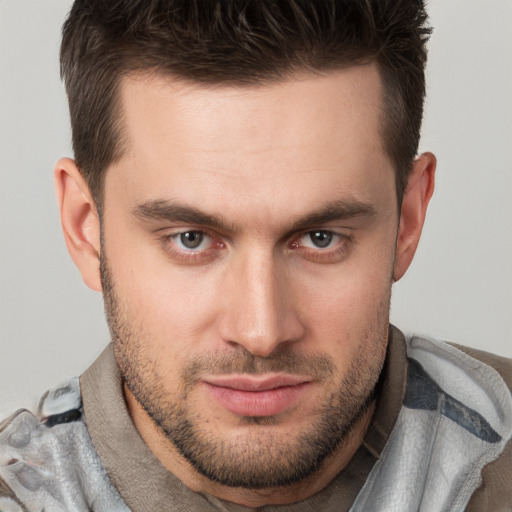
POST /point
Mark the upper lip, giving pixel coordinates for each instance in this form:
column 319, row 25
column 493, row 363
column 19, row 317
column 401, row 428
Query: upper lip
column 256, row 382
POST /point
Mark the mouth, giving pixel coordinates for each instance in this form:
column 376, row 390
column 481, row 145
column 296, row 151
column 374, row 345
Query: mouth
column 257, row 395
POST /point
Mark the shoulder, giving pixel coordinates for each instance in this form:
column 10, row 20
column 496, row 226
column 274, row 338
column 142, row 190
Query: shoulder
column 495, row 491
column 482, row 382
column 503, row 365
column 32, row 445
column 48, row 460
column 474, row 376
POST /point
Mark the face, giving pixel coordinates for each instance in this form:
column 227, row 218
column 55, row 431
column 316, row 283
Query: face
column 248, row 247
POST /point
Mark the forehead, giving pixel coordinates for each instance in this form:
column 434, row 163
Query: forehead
column 265, row 140
column 303, row 104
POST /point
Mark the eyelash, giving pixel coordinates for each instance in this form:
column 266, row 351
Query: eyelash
column 327, row 255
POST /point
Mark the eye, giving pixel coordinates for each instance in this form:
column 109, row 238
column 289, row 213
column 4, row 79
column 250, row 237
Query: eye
column 191, row 240
column 192, row 246
column 323, row 246
column 319, row 239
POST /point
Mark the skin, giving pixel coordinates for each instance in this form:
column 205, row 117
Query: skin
column 266, row 164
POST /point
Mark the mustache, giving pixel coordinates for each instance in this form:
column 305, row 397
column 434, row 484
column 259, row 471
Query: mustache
column 318, row 366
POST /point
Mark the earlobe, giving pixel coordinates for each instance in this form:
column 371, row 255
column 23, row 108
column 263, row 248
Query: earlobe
column 80, row 221
column 418, row 192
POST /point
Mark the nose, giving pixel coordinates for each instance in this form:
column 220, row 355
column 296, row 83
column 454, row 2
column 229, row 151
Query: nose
column 259, row 312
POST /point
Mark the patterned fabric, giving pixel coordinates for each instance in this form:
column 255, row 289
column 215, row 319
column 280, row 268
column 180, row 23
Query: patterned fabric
column 49, row 461
column 456, row 417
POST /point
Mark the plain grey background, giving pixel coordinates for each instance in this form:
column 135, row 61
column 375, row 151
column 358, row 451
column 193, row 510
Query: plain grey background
column 459, row 287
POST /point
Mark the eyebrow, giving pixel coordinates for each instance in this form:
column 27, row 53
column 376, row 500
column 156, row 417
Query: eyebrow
column 342, row 209
column 173, row 212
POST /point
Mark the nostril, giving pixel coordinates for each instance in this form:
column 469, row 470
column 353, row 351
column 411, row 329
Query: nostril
column 12, row 461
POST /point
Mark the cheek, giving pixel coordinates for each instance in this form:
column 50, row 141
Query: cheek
column 171, row 307
column 348, row 307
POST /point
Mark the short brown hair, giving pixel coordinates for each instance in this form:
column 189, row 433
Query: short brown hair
column 238, row 42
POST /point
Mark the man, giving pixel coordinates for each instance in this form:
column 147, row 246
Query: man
column 245, row 191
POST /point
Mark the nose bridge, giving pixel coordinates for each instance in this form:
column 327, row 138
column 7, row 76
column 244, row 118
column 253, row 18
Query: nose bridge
column 259, row 315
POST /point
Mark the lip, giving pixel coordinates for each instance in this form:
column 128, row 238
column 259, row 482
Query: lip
column 257, row 396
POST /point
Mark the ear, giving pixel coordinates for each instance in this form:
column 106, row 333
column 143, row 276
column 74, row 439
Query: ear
column 418, row 192
column 80, row 221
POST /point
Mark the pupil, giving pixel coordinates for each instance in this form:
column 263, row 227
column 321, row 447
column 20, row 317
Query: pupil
column 321, row 238
column 191, row 239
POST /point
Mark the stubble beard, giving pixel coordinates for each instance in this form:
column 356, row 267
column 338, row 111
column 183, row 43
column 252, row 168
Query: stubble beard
column 258, row 458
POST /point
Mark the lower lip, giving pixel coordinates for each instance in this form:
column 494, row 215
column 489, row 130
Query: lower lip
column 258, row 403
